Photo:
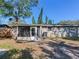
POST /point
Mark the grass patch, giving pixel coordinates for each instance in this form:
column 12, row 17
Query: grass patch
column 70, row 38
column 17, row 54
column 6, row 46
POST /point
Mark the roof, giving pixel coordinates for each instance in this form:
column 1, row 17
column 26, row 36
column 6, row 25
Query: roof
column 54, row 25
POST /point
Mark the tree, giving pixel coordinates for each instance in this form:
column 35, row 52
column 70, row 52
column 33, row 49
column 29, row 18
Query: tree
column 33, row 20
column 17, row 8
column 63, row 22
column 40, row 21
column 46, row 20
column 14, row 23
column 50, row 22
column 69, row 22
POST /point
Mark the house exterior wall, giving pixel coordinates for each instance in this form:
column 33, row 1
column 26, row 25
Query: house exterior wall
column 44, row 29
column 63, row 32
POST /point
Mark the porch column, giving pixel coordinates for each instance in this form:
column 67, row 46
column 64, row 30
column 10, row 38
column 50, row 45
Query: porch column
column 17, row 30
column 16, row 35
column 40, row 31
column 68, row 32
column 76, row 31
column 30, row 32
column 36, row 31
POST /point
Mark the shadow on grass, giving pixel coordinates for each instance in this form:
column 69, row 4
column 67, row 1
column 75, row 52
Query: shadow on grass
column 17, row 54
column 59, row 50
column 74, row 38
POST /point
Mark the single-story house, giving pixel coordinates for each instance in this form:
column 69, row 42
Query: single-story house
column 36, row 32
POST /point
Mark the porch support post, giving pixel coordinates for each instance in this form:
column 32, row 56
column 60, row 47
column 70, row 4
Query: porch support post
column 36, row 31
column 30, row 32
column 17, row 33
column 40, row 31
column 76, row 31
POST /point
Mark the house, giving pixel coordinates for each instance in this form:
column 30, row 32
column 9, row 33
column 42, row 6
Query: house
column 37, row 32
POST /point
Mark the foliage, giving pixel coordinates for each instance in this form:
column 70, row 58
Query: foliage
column 50, row 22
column 1, row 2
column 13, row 22
column 40, row 21
column 33, row 20
column 73, row 22
column 17, row 7
column 46, row 20
column 1, row 11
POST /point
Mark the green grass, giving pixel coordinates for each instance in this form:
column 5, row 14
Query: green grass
column 6, row 46
column 17, row 54
column 74, row 38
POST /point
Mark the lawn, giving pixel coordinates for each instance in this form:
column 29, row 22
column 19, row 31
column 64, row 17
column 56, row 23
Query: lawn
column 38, row 50
column 19, row 48
column 6, row 46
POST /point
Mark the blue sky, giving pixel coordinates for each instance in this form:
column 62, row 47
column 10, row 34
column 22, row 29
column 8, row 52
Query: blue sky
column 57, row 10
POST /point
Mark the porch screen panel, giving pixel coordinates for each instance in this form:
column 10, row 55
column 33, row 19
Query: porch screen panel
column 23, row 31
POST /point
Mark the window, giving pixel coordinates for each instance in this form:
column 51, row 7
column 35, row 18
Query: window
column 49, row 28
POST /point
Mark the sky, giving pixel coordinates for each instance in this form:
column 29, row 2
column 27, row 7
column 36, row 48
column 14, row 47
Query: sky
column 56, row 10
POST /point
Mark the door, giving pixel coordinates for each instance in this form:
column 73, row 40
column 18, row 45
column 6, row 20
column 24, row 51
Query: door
column 33, row 31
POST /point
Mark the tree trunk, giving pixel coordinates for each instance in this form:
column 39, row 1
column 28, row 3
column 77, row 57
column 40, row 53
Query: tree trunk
column 16, row 18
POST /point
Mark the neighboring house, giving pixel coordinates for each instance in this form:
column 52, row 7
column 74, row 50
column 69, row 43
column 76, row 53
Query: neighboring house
column 37, row 32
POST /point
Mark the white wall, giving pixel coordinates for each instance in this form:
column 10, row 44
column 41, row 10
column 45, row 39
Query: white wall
column 62, row 32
